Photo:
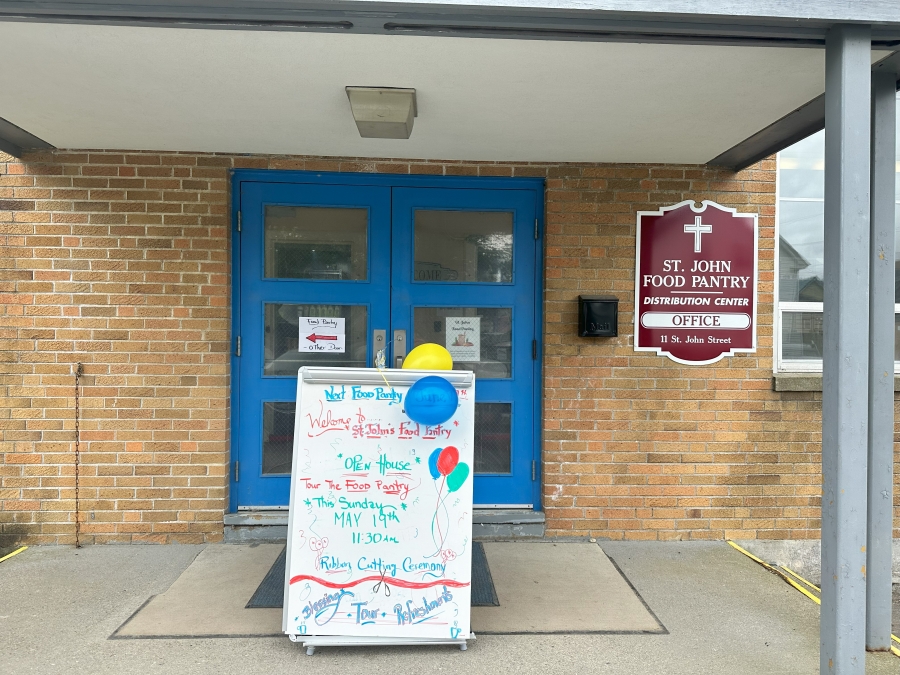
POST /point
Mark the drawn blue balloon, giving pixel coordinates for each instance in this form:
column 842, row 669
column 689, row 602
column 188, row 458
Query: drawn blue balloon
column 432, row 463
column 431, row 400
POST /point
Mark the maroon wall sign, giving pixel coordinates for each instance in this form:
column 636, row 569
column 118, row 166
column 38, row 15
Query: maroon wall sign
column 695, row 285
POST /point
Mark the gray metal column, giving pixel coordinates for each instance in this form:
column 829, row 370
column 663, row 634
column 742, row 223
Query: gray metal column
column 881, row 363
column 846, row 371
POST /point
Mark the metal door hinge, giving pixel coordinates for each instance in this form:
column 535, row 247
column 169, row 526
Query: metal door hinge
column 237, row 350
column 535, row 228
column 533, row 470
column 237, row 471
column 239, row 221
column 534, row 350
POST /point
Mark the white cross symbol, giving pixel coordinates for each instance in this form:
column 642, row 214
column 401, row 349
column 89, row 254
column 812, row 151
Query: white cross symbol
column 698, row 230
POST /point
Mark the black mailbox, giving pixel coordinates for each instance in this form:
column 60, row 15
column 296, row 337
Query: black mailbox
column 598, row 316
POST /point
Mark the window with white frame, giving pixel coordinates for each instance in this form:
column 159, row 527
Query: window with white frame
column 800, row 228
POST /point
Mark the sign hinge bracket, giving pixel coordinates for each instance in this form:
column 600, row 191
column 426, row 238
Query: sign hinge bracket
column 534, row 350
column 237, row 471
column 237, row 350
column 239, row 221
column 533, row 470
column 536, row 228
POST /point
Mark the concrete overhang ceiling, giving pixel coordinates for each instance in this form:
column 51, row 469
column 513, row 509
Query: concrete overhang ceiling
column 143, row 88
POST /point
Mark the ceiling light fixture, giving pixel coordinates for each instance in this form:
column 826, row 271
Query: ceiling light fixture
column 383, row 112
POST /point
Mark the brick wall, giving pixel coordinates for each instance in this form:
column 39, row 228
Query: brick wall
column 637, row 446
column 121, row 262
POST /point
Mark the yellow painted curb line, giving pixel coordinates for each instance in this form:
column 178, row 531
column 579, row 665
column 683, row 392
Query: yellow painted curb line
column 777, row 571
column 797, row 576
column 10, row 555
column 805, row 592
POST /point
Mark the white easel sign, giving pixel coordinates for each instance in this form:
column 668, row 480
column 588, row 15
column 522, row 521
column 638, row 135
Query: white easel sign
column 380, row 523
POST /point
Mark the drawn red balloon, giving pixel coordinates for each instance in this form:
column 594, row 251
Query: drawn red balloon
column 447, row 460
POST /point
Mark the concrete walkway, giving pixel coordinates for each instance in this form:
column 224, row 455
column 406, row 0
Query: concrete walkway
column 58, row 607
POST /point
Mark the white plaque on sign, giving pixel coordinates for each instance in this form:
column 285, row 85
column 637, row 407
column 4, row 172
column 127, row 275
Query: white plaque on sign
column 380, row 523
column 464, row 337
column 321, row 334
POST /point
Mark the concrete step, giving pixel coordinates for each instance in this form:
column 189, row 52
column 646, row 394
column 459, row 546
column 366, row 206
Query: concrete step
column 269, row 526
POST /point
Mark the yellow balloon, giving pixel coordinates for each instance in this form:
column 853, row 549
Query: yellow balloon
column 429, row 356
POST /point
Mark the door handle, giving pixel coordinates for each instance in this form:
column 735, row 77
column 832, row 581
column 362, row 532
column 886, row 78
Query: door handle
column 399, row 348
column 378, row 338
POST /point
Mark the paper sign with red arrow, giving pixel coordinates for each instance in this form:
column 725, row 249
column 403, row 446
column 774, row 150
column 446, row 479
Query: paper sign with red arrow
column 321, row 334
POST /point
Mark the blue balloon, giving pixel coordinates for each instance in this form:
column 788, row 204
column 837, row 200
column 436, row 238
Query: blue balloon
column 432, row 463
column 431, row 400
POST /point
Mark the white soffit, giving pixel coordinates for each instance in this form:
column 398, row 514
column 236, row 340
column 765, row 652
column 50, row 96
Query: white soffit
column 83, row 86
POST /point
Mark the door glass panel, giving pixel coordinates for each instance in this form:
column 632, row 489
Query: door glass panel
column 478, row 338
column 493, row 449
column 801, row 335
column 474, row 246
column 282, row 338
column 304, row 242
column 278, row 437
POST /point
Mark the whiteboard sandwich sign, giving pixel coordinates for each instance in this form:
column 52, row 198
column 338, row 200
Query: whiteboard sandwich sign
column 380, row 524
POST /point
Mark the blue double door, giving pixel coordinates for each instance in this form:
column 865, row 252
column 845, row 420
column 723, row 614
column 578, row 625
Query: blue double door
column 326, row 274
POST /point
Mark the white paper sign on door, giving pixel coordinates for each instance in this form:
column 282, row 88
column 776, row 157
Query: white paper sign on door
column 321, row 334
column 464, row 337
column 380, row 525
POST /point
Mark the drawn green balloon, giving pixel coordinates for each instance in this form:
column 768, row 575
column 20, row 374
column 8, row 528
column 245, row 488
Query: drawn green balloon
column 458, row 477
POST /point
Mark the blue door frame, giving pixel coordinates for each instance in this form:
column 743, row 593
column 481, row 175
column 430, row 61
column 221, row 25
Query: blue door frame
column 391, row 198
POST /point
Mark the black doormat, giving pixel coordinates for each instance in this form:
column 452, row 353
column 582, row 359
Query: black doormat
column 270, row 593
column 483, row 592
